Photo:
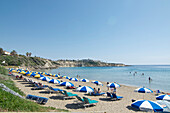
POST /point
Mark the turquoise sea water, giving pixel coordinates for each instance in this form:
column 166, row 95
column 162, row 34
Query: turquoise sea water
column 160, row 75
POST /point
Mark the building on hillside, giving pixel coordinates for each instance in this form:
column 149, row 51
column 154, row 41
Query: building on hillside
column 6, row 53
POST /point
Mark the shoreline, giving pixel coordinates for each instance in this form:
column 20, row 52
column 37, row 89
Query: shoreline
column 104, row 105
column 102, row 81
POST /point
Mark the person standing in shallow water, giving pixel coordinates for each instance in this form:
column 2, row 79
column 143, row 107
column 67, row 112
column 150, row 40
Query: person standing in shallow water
column 150, row 79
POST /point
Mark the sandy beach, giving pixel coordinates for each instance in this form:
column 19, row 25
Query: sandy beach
column 104, row 104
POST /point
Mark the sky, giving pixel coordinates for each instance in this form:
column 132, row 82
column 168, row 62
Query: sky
column 134, row 32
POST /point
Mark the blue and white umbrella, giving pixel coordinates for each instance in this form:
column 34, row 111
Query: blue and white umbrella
column 66, row 84
column 163, row 97
column 45, row 79
column 74, row 79
column 97, row 82
column 143, row 90
column 84, row 80
column 85, row 89
column 55, row 81
column 113, row 85
column 146, row 105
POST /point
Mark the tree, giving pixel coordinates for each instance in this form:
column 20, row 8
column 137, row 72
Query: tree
column 1, row 51
column 27, row 54
column 30, row 54
column 13, row 53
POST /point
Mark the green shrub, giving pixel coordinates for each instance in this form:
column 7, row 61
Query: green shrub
column 3, row 70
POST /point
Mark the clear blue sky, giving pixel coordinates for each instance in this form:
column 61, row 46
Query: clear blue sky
column 126, row 31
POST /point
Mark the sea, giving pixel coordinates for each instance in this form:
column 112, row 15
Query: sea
column 135, row 75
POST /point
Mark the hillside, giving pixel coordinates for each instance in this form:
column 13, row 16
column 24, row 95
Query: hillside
column 24, row 61
column 86, row 63
column 37, row 62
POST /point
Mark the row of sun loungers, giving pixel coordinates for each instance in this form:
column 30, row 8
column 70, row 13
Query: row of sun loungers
column 84, row 101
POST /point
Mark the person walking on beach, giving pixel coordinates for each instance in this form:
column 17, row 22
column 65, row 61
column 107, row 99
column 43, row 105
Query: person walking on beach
column 107, row 87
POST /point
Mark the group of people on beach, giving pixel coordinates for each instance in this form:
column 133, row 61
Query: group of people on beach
column 97, row 91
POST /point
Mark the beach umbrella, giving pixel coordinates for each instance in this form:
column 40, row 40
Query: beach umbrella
column 97, row 82
column 48, row 74
column 55, row 75
column 44, row 73
column 45, row 79
column 143, row 90
column 66, row 77
column 55, row 81
column 74, row 79
column 33, row 74
column 165, row 104
column 23, row 72
column 84, row 80
column 14, row 71
column 163, row 97
column 27, row 72
column 146, row 105
column 66, row 84
column 85, row 89
column 36, row 72
column 10, row 70
column 113, row 85
column 38, row 76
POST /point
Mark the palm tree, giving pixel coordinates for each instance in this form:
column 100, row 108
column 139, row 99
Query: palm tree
column 27, row 54
column 30, row 54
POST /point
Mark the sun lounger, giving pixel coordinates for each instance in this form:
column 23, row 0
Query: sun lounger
column 68, row 94
column 42, row 100
column 89, row 102
column 114, row 96
column 81, row 100
column 38, row 99
column 96, row 94
column 55, row 90
column 37, row 87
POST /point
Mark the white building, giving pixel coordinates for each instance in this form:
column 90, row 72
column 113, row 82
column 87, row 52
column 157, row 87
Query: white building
column 6, row 53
